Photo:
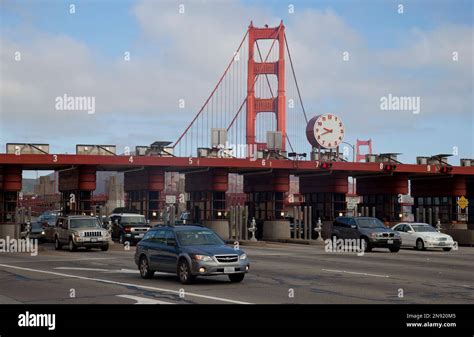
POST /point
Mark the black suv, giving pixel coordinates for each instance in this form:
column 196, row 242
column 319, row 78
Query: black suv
column 189, row 251
column 370, row 231
column 128, row 227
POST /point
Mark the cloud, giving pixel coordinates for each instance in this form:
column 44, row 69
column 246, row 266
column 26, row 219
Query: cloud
column 138, row 100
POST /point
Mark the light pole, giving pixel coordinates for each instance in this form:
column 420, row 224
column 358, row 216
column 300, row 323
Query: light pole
column 353, row 150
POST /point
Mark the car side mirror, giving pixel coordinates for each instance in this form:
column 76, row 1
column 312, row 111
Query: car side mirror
column 410, row 231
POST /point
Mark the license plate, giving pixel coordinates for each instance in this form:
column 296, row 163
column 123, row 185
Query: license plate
column 229, row 270
column 93, row 240
column 442, row 243
column 390, row 242
column 140, row 236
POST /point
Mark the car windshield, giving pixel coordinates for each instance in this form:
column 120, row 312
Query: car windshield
column 370, row 223
column 84, row 223
column 423, row 228
column 133, row 220
column 198, row 237
column 50, row 219
column 36, row 225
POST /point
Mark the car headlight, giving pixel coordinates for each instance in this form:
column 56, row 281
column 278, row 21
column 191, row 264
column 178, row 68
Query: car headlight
column 203, row 258
column 397, row 235
column 42, row 233
column 243, row 256
column 373, row 235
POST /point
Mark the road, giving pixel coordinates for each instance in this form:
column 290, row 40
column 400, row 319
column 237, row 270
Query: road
column 280, row 273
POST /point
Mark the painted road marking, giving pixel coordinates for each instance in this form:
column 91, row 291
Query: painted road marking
column 126, row 284
column 67, row 260
column 122, row 270
column 354, row 273
column 143, row 300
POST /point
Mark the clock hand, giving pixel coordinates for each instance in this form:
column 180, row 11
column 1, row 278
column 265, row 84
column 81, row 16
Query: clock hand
column 328, row 130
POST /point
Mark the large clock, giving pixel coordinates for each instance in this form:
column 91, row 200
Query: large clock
column 326, row 131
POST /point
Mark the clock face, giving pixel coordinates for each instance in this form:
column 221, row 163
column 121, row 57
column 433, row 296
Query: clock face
column 328, row 131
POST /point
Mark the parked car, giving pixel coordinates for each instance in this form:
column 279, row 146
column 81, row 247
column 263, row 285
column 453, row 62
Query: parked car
column 80, row 231
column 371, row 231
column 128, row 227
column 35, row 231
column 189, row 251
column 422, row 236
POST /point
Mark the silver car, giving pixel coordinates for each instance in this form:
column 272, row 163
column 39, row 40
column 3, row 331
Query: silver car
column 80, row 231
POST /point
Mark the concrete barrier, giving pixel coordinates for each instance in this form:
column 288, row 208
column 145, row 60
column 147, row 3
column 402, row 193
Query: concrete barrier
column 11, row 230
column 276, row 230
column 464, row 237
column 221, row 227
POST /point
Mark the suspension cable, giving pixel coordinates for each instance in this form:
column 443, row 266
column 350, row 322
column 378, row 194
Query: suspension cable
column 296, row 81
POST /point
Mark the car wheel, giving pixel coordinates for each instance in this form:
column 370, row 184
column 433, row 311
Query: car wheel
column 57, row 245
column 184, row 272
column 447, row 249
column 420, row 245
column 394, row 249
column 236, row 277
column 366, row 245
column 72, row 247
column 144, row 267
column 104, row 248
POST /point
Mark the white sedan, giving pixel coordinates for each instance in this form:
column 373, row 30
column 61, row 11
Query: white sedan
column 422, row 236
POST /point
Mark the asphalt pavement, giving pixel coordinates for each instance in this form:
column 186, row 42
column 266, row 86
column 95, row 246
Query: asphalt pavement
column 279, row 273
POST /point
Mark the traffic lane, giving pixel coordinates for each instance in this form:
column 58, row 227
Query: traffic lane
column 455, row 266
column 353, row 284
column 275, row 273
column 117, row 268
column 35, row 285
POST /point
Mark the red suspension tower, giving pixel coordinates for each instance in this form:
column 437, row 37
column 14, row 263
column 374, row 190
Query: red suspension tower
column 277, row 104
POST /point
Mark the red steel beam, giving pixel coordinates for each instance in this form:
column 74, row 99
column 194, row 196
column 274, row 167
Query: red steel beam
column 57, row 161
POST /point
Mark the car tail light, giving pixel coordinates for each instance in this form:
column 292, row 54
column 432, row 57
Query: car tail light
column 127, row 229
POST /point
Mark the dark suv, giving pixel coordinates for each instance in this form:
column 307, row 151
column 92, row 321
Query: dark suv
column 128, row 227
column 371, row 231
column 189, row 251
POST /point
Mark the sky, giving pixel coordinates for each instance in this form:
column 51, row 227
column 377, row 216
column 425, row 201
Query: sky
column 177, row 56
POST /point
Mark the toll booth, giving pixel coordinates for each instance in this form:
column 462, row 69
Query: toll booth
column 326, row 194
column 265, row 200
column 435, row 198
column 207, row 198
column 470, row 206
column 380, row 196
column 76, row 186
column 10, row 187
column 144, row 188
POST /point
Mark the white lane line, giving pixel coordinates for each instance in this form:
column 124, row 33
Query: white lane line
column 79, row 268
column 143, row 300
column 68, row 260
column 354, row 273
column 126, row 284
column 122, row 270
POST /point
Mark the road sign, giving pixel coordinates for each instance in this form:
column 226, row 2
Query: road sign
column 170, row 199
column 462, row 202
